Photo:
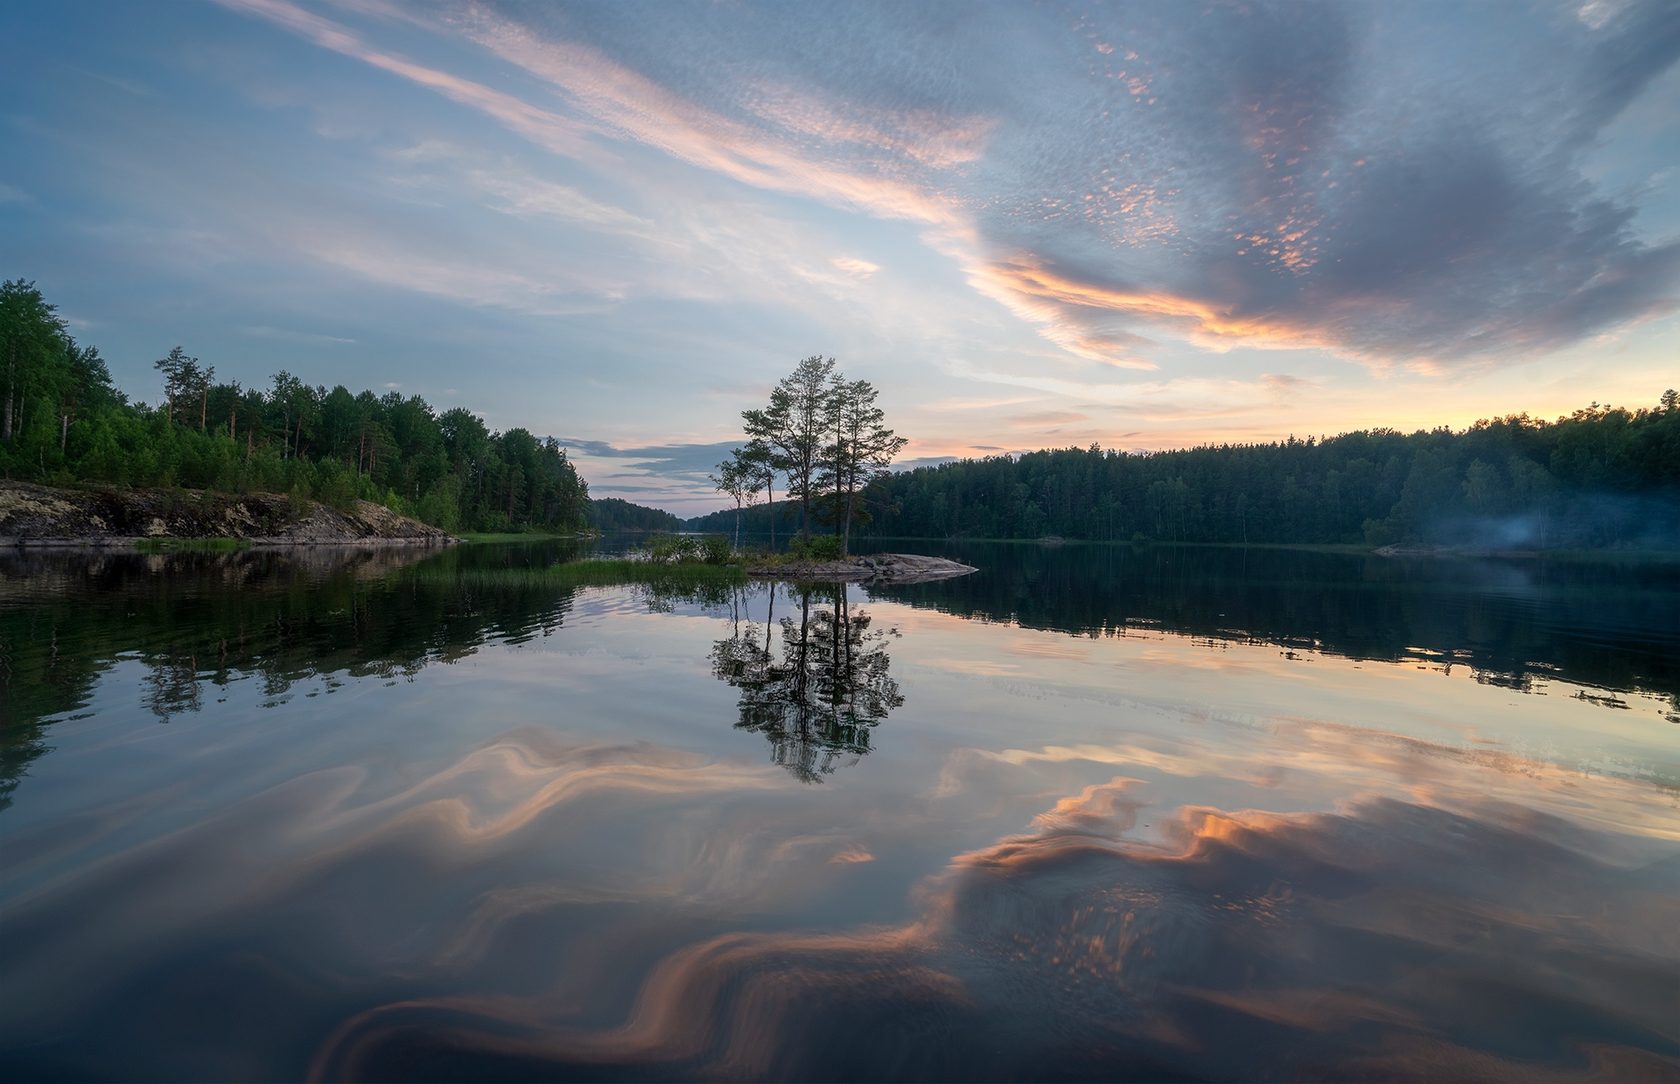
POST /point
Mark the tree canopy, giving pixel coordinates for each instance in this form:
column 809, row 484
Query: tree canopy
column 62, row 421
column 1602, row 476
column 826, row 436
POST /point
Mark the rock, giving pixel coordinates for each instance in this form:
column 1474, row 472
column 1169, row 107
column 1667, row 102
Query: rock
column 32, row 515
column 895, row 567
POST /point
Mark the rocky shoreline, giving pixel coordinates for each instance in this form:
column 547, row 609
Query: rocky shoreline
column 105, row 518
column 881, row 567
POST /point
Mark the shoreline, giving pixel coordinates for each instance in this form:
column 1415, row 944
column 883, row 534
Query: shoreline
column 156, row 544
column 111, row 519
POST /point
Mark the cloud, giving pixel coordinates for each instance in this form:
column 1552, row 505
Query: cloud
column 263, row 331
column 1258, row 175
column 855, row 267
column 544, row 127
column 1282, row 383
column 1044, row 418
column 675, row 473
column 530, row 196
column 556, row 291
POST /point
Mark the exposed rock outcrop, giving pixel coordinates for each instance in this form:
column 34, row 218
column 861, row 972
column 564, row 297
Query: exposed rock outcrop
column 884, row 567
column 32, row 515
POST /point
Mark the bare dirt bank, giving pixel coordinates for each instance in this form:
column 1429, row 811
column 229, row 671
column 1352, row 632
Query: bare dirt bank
column 32, row 515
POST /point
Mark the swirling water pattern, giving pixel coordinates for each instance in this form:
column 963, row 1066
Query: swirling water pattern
column 1089, row 815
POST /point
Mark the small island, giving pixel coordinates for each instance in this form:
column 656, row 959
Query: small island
column 882, row 567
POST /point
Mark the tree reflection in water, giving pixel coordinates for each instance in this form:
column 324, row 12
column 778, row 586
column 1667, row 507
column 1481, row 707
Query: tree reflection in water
column 819, row 696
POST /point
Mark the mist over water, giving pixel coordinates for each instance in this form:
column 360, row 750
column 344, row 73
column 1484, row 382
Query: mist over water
column 1093, row 812
column 1631, row 523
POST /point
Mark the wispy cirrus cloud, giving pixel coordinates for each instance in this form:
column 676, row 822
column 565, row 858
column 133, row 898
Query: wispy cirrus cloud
column 1230, row 181
column 293, row 335
column 547, row 128
column 528, row 196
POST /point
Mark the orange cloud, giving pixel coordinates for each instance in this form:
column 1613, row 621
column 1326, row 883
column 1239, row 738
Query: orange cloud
column 1043, row 296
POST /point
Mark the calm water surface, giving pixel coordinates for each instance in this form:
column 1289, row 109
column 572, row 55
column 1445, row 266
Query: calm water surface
column 1091, row 813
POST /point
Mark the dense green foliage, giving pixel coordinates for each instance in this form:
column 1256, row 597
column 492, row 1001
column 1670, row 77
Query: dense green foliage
column 612, row 514
column 64, row 421
column 1599, row 477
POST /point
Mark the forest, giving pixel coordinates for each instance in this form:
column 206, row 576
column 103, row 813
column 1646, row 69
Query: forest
column 63, row 421
column 1600, row 477
column 608, row 514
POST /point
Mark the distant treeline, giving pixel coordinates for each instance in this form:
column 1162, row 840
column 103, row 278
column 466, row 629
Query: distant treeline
column 1602, row 476
column 62, row 421
column 612, row 514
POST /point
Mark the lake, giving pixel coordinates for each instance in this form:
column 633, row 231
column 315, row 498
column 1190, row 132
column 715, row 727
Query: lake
column 1093, row 812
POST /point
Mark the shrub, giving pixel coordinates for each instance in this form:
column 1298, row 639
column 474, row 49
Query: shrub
column 822, row 547
column 716, row 550
column 666, row 549
column 297, row 501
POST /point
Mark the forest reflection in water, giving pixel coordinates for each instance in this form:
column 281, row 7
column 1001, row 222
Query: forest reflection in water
column 425, row 816
column 287, row 616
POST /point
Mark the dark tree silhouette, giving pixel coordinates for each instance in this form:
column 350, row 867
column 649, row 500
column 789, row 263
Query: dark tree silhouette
column 818, row 694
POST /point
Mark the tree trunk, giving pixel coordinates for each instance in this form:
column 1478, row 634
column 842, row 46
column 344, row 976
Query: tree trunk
column 805, row 505
column 204, row 409
column 770, row 489
column 63, row 432
column 846, row 533
column 11, row 393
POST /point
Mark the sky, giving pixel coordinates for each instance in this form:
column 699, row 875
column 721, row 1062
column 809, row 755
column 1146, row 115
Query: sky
column 1146, row 225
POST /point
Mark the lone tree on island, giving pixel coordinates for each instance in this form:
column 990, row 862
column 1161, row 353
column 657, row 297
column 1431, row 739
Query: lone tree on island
column 826, row 435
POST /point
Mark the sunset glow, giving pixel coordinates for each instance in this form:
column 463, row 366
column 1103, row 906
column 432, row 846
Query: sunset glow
column 1145, row 226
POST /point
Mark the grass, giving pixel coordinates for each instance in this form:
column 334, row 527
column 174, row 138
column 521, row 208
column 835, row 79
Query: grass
column 191, row 545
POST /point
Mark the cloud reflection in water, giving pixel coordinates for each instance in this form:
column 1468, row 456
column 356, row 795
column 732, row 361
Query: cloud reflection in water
column 375, row 895
column 1391, row 939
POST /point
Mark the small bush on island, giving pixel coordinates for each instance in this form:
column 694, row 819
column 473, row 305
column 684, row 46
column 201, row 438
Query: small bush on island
column 821, row 547
column 668, row 549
